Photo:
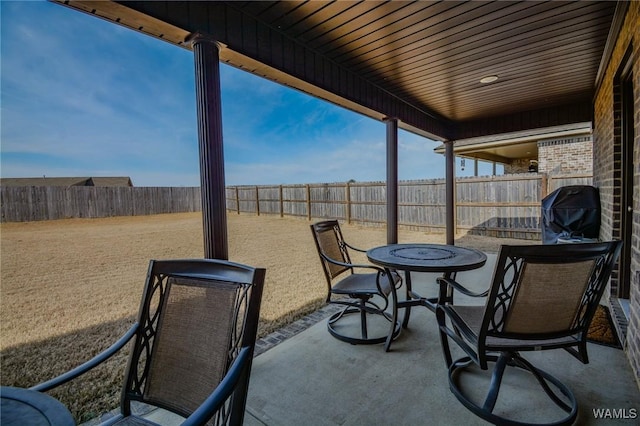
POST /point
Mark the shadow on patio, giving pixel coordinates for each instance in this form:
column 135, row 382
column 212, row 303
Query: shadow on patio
column 312, row 378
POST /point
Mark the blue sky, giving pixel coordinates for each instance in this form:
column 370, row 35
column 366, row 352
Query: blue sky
column 84, row 97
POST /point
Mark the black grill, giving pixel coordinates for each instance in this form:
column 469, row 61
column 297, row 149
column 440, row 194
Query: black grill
column 569, row 212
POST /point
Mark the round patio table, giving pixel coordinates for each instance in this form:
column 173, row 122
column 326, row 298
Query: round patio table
column 27, row 407
column 448, row 259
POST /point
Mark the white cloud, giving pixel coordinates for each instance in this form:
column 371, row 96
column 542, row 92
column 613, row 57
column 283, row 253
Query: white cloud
column 362, row 160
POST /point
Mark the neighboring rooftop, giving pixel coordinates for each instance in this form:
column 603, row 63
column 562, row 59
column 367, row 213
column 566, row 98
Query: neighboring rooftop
column 67, row 181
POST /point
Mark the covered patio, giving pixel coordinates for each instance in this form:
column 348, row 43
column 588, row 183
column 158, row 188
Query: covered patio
column 302, row 375
column 447, row 71
column 312, row 378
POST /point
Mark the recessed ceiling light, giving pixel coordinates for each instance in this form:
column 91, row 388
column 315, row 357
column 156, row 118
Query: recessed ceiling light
column 488, row 79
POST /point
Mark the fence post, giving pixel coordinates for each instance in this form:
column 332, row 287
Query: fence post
column 348, row 198
column 237, row 200
column 257, row 201
column 308, row 188
column 281, row 201
column 544, row 186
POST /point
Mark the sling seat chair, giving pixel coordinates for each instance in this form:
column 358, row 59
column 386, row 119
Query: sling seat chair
column 193, row 342
column 541, row 298
column 372, row 293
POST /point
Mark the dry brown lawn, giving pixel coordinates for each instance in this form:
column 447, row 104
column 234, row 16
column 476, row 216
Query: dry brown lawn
column 69, row 288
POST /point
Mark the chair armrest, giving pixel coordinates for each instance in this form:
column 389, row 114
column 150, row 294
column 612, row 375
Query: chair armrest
column 351, row 265
column 459, row 287
column 395, row 279
column 93, row 362
column 223, row 391
column 354, row 248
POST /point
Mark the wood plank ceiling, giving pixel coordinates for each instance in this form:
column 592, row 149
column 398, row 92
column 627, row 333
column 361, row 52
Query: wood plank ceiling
column 434, row 54
column 419, row 61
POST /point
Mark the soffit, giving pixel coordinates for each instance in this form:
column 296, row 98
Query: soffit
column 507, row 147
column 419, row 61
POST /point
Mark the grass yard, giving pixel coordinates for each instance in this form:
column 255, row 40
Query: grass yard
column 69, row 288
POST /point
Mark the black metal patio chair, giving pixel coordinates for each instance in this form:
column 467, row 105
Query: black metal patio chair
column 541, row 297
column 193, row 342
column 371, row 293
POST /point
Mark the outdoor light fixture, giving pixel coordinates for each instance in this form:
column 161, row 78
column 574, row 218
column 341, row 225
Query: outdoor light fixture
column 488, row 79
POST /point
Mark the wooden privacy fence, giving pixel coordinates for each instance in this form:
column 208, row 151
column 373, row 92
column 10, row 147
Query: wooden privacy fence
column 30, row 203
column 502, row 206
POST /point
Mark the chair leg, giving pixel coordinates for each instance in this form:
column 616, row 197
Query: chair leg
column 363, row 319
column 395, row 327
column 363, row 308
column 444, row 340
column 540, row 377
column 408, row 290
column 503, row 361
column 494, row 386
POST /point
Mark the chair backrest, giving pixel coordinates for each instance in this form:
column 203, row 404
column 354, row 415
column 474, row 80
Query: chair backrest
column 194, row 318
column 547, row 291
column 330, row 244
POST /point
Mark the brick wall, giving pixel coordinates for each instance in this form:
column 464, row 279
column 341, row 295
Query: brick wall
column 607, row 165
column 634, row 324
column 559, row 156
column 567, row 155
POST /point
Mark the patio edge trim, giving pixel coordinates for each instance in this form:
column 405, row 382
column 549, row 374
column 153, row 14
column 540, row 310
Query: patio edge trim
column 296, row 327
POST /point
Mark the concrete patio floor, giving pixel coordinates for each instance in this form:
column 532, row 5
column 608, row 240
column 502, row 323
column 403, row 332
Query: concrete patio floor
column 315, row 379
